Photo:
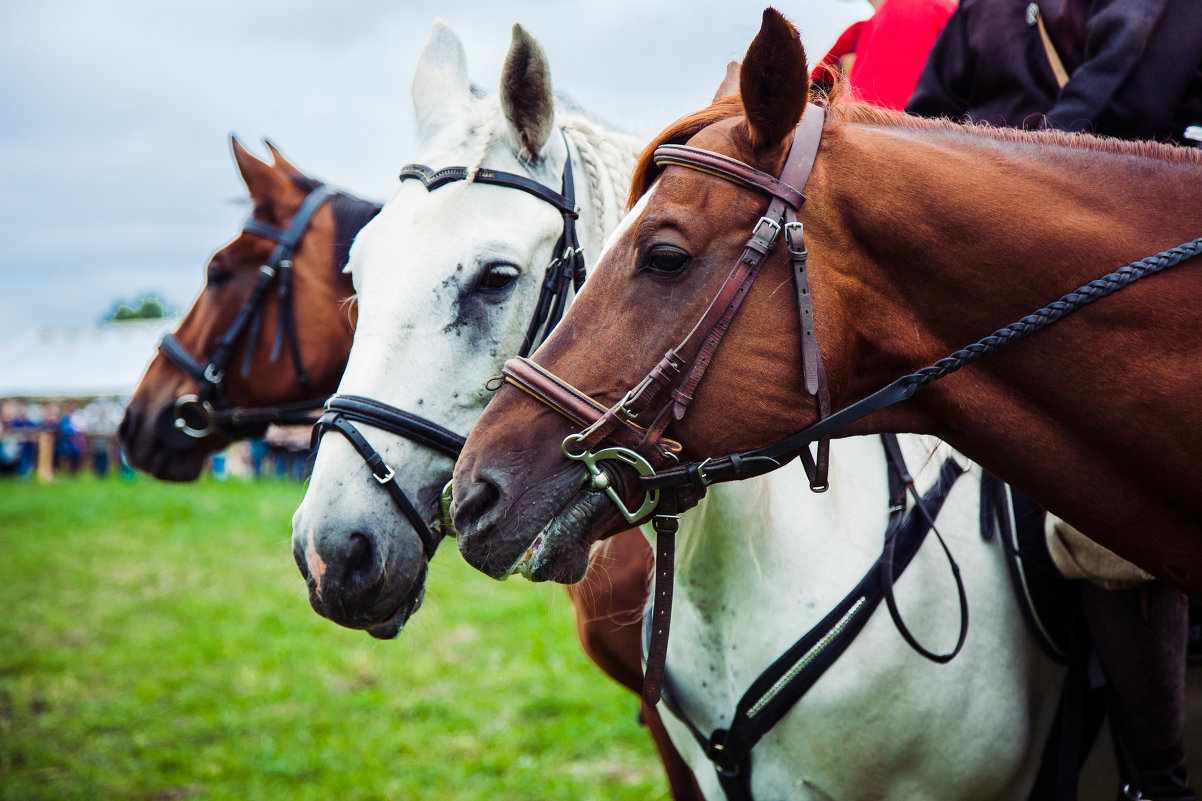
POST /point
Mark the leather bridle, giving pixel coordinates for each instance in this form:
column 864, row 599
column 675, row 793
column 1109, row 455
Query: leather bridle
column 198, row 416
column 565, row 272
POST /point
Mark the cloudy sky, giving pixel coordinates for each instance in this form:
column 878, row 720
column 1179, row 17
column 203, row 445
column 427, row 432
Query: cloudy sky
column 114, row 156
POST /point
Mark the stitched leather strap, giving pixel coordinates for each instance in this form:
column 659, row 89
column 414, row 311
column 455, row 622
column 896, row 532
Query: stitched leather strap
column 728, row 169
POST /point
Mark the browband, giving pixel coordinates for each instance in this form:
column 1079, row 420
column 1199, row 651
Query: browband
column 728, row 169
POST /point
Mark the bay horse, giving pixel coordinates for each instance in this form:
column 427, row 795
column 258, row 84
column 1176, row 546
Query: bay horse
column 271, row 325
column 605, row 625
column 921, row 237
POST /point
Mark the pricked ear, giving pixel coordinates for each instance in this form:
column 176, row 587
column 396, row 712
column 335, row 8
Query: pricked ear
column 773, row 82
column 279, row 161
column 730, row 83
column 526, row 92
column 263, row 182
column 440, row 86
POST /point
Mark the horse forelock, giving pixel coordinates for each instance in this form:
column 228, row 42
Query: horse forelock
column 645, row 171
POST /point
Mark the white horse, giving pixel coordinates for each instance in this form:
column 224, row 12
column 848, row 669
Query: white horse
column 447, row 280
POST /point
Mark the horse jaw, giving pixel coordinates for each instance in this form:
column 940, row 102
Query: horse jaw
column 441, row 90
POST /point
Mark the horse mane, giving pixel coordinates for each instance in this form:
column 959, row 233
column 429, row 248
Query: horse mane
column 679, row 132
column 853, row 113
column 351, row 213
column 609, row 158
column 845, row 112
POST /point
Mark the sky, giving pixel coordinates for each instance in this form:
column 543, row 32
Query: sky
column 114, row 151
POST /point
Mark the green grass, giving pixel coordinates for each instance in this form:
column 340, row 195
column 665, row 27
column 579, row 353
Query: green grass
column 156, row 644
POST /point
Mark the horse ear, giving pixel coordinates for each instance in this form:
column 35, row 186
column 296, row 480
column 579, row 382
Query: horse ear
column 526, row 92
column 262, row 180
column 440, row 85
column 279, row 161
column 730, row 82
column 773, row 81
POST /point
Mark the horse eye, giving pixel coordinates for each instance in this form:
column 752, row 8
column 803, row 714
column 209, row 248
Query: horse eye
column 217, row 278
column 498, row 277
column 666, row 260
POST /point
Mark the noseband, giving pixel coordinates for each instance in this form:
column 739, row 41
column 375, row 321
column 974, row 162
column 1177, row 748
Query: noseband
column 566, row 271
column 198, row 415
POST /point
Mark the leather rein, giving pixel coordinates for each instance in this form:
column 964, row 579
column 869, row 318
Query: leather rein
column 199, row 415
column 565, row 272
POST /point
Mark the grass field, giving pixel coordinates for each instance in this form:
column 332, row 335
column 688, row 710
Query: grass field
column 156, row 644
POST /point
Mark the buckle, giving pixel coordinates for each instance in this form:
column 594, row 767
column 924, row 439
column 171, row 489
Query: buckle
column 766, row 239
column 384, row 479
column 795, row 241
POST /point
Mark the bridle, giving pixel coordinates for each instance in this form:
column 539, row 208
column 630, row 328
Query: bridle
column 565, row 272
column 670, row 488
column 198, row 416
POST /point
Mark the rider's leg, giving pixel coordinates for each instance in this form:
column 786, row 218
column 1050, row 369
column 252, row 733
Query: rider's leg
column 1140, row 637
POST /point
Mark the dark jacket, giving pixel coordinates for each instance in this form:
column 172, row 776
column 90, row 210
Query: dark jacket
column 1134, row 66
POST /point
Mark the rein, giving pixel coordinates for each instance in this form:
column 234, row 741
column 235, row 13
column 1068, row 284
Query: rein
column 197, row 416
column 565, row 272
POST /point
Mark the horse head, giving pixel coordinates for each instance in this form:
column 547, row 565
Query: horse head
column 449, row 277
column 267, row 330
column 520, row 504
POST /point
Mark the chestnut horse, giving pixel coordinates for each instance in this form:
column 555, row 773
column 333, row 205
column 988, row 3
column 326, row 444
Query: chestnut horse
column 922, row 237
column 607, row 606
column 286, row 334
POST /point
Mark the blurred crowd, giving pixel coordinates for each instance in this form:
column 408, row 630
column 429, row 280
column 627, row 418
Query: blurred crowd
column 50, row 438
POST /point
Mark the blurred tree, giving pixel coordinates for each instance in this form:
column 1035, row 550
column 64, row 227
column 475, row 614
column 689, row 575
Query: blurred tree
column 147, row 308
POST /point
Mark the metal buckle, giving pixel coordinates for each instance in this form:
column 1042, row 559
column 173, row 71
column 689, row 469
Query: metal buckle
column 600, row 479
column 212, row 374
column 384, row 479
column 701, row 471
column 795, row 253
column 766, row 240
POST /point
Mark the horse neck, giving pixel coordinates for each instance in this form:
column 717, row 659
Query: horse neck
column 948, row 236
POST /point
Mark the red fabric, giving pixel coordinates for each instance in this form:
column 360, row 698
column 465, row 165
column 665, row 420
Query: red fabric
column 890, row 50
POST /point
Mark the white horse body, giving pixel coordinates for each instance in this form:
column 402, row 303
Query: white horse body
column 762, row 562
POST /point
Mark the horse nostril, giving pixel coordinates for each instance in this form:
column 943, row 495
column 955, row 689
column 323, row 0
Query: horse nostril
column 126, row 425
column 482, row 495
column 301, row 562
column 360, row 561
